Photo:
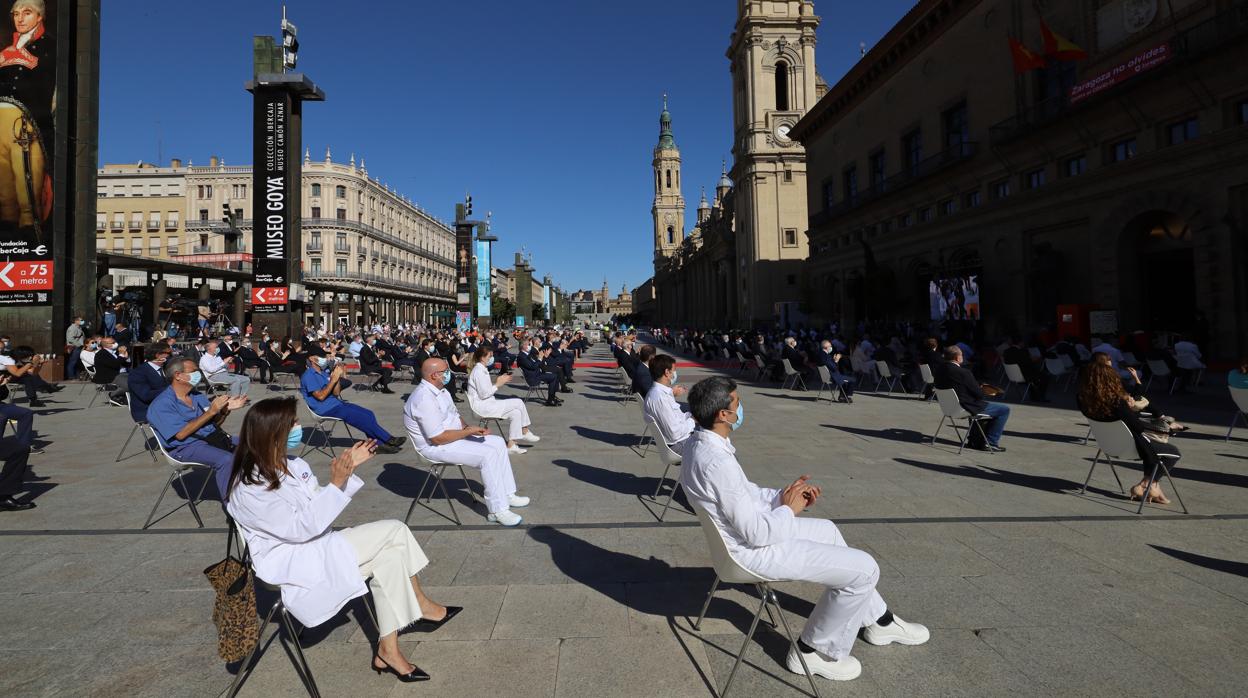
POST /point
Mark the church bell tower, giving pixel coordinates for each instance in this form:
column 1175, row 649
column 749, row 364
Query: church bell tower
column 669, row 205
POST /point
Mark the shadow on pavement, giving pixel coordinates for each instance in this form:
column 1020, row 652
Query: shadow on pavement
column 890, row 434
column 1239, row 569
column 1042, row 483
column 606, row 437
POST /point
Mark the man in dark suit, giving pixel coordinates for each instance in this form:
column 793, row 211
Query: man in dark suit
column 501, row 355
column 1018, row 355
column 370, row 362
column 123, row 335
column 642, row 380
column 247, row 357
column 546, row 358
column 110, row 367
column 796, row 358
column 534, row 373
column 146, row 381
column 951, row 374
column 830, row 358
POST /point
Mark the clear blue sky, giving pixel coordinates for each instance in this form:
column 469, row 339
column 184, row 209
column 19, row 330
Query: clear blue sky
column 547, row 112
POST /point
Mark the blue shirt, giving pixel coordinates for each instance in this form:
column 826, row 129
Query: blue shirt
column 312, row 381
column 168, row 415
column 1235, row 379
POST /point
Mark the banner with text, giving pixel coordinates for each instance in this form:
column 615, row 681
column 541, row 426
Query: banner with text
column 1139, row 63
column 272, row 228
column 483, row 279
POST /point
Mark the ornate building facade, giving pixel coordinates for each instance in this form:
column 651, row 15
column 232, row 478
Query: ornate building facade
column 741, row 263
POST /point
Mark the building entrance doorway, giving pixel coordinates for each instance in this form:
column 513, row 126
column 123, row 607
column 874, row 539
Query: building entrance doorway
column 1160, row 248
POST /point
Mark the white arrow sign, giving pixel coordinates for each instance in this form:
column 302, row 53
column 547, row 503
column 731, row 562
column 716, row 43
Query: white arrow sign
column 259, row 295
column 4, row 274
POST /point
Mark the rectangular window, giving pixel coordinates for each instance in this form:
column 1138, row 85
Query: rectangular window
column 912, row 149
column 1122, row 150
column 316, row 211
column 101, row 221
column 926, row 214
column 119, row 245
column 341, row 267
column 876, row 165
column 886, row 227
column 948, row 207
column 829, row 194
column 1075, row 166
column 342, row 214
column 340, row 192
column 316, row 267
column 171, row 246
column 203, row 215
column 788, row 176
column 1182, row 131
column 102, row 193
column 957, row 129
column 153, row 247
column 905, row 220
column 205, row 191
column 850, row 182
column 790, row 237
column 136, row 246
column 1241, row 112
column 973, row 199
column 1001, row 189
column 1033, row 179
column 316, row 190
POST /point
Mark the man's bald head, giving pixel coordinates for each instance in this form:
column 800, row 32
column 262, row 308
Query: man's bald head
column 433, row 368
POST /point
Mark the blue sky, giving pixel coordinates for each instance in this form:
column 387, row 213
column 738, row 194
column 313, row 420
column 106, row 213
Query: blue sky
column 547, row 112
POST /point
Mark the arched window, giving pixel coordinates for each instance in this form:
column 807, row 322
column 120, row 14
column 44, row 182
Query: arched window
column 669, row 179
column 671, row 235
column 782, row 86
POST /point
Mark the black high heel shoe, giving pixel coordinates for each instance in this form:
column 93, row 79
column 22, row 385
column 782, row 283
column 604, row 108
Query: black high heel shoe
column 416, row 674
column 424, row 625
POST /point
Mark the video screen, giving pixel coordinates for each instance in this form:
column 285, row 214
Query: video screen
column 954, row 298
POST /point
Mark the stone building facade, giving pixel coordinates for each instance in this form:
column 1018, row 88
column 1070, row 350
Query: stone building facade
column 1117, row 182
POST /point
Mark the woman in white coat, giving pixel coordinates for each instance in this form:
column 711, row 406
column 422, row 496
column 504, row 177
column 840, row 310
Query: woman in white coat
column 287, row 519
column 481, row 397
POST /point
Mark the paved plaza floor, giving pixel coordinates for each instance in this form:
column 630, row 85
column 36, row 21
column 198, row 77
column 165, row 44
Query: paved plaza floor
column 1029, row 587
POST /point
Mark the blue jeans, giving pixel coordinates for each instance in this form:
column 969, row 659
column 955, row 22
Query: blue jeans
column 71, row 365
column 1000, row 413
column 110, row 322
column 360, row 418
column 221, row 462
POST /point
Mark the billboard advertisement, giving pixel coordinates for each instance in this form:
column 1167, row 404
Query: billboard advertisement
column 463, row 265
column 954, row 298
column 272, row 228
column 545, row 302
column 484, row 265
column 28, row 143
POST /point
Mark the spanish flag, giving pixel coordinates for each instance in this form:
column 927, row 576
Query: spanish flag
column 1059, row 47
column 1025, row 59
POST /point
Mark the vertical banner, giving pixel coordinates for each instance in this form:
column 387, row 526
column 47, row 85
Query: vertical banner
column 463, row 320
column 463, row 265
column 546, row 302
column 484, row 265
column 271, row 208
column 28, row 87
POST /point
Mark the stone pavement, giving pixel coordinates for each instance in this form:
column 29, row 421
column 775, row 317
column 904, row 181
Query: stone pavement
column 1029, row 588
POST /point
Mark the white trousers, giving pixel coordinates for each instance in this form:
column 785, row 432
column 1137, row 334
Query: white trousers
column 819, row 554
column 514, row 411
column 387, row 552
column 489, row 453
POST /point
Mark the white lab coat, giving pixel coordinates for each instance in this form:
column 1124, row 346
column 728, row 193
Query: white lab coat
column 675, row 423
column 482, row 400
column 288, row 531
column 766, row 538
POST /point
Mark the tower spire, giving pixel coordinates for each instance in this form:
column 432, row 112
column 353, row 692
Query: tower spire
column 666, row 140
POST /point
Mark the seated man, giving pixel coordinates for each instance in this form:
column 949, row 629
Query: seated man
column 661, row 405
column 15, row 455
column 501, row 355
column 764, row 534
column 217, row 372
column 370, row 362
column 535, row 374
column 642, row 380
column 111, row 366
column 147, row 382
column 188, row 424
column 248, row 357
column 22, row 366
column 951, row 374
column 831, row 358
column 440, row 434
column 321, row 386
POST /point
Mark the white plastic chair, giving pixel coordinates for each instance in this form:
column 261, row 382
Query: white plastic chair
column 1128, row 359
column 886, row 377
column 1034, row 353
column 729, row 571
column 1015, row 376
column 826, row 383
column 1240, row 396
column 484, row 421
column 1115, row 440
column 324, row 426
column 1187, row 362
column 180, row 468
column 1059, row 371
column 433, row 480
column 791, row 377
column 1157, row 369
column 951, row 411
column 148, row 436
column 647, row 436
column 928, row 379
column 671, row 459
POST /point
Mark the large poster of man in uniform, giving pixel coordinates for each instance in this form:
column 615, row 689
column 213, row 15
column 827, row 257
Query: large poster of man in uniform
column 27, row 126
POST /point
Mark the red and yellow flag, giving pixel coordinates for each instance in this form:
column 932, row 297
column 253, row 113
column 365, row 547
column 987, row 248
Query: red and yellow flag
column 1024, row 58
column 1059, row 47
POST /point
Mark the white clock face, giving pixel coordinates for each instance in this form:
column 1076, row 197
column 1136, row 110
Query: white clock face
column 782, row 131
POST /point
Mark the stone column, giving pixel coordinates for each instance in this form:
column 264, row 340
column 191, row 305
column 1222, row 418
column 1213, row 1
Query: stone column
column 160, row 290
column 333, row 311
column 350, row 308
column 316, row 307
column 240, row 305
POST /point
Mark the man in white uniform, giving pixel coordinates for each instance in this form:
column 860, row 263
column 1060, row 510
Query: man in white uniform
column 661, row 405
column 764, row 534
column 217, row 372
column 440, row 434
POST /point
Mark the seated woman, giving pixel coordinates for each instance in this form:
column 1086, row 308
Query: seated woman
column 481, row 397
column 1135, row 390
column 1102, row 398
column 287, row 519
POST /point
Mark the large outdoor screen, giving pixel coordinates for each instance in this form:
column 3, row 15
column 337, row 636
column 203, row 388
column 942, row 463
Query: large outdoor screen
column 954, row 298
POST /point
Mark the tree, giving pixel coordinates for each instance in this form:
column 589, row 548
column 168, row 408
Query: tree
column 539, row 311
column 501, row 309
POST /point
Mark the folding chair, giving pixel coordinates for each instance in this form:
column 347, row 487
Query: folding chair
column 643, row 445
column 729, row 571
column 791, row 377
column 745, row 363
column 535, row 390
column 1158, row 369
column 670, row 459
column 180, row 468
column 886, row 377
column 826, row 383
column 928, row 379
column 951, row 411
column 433, row 480
column 283, row 378
column 148, row 435
column 1187, row 362
column 761, row 367
column 1115, row 440
column 1240, row 396
column 626, row 388
column 1015, row 376
column 99, row 390
column 90, row 371
column 325, row 426
column 1059, row 371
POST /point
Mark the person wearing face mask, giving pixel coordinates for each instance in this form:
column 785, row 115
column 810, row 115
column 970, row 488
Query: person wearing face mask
column 370, row 362
column 189, row 424
column 322, row 386
column 675, row 423
column 111, row 363
column 536, row 374
column 440, row 434
column 482, row 397
column 217, row 371
column 831, row 358
column 147, row 382
column 248, row 357
column 75, row 337
column 764, row 534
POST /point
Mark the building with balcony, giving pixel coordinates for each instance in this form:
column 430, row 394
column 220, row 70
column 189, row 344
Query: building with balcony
column 141, row 209
column 1116, row 181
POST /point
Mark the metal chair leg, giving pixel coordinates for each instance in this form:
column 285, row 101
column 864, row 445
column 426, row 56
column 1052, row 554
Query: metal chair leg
column 127, row 443
column 697, row 625
column 749, row 636
column 1095, row 460
column 243, row 668
column 1173, row 486
column 671, row 495
column 303, row 669
column 771, row 595
column 938, row 428
column 159, row 499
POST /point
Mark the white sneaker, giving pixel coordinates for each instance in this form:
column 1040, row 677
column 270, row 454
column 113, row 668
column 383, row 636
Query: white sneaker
column 517, row 501
column 505, row 517
column 899, row 631
column 846, row 669
column 515, row 450
column 529, row 438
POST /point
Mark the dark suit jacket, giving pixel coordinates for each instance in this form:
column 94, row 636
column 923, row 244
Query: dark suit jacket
column 125, row 337
column 796, row 360
column 369, row 361
column 531, row 368
column 108, row 366
column 950, row 375
column 825, row 359
column 642, row 380
column 145, row 384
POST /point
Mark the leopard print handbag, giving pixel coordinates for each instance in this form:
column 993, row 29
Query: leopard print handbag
column 234, row 608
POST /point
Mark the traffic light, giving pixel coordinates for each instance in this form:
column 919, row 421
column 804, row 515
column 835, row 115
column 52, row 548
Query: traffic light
column 290, row 43
column 468, row 205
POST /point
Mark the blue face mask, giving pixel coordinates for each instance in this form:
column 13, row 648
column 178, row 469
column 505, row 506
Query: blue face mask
column 740, row 416
column 674, row 377
column 446, row 377
column 295, row 437
column 321, row 361
column 195, row 378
